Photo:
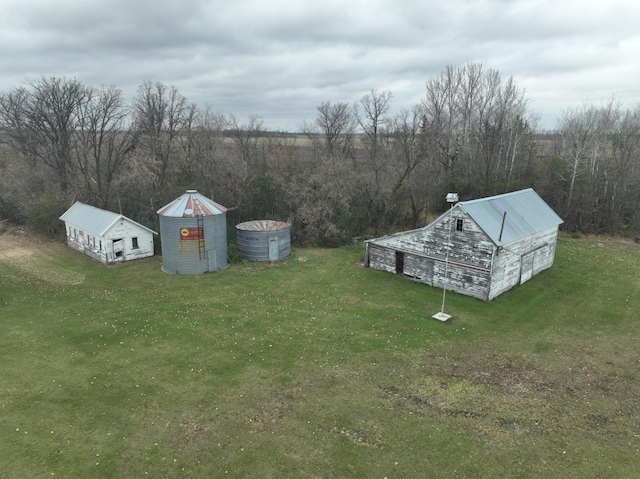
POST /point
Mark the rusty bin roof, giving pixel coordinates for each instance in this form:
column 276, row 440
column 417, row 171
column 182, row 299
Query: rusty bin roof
column 262, row 225
column 191, row 204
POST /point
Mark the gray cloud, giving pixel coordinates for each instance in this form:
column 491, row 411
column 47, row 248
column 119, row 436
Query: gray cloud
column 280, row 59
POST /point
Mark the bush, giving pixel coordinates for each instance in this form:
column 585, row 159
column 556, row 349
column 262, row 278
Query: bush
column 11, row 212
column 44, row 218
column 233, row 254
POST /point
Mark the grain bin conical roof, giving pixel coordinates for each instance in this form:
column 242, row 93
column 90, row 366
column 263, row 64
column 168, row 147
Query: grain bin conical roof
column 263, row 225
column 190, row 205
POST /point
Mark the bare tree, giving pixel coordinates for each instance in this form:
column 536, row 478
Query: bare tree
column 443, row 119
column 325, row 186
column 577, row 129
column 333, row 131
column 246, row 158
column 202, row 144
column 625, row 172
column 408, row 161
column 105, row 143
column 474, row 123
column 160, row 114
column 599, row 151
column 41, row 122
column 370, row 114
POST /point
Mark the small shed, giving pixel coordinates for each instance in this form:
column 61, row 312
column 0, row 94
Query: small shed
column 486, row 246
column 264, row 240
column 193, row 232
column 106, row 236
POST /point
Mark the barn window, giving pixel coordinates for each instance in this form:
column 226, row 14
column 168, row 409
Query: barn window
column 459, row 223
column 134, row 243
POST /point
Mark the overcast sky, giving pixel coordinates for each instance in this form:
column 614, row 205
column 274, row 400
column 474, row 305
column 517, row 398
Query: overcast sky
column 280, row 58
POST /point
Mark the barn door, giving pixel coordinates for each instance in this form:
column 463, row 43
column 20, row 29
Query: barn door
column 399, row 262
column 526, row 267
column 273, row 248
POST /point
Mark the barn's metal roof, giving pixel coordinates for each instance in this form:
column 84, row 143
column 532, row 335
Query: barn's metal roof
column 524, row 214
column 190, row 205
column 94, row 220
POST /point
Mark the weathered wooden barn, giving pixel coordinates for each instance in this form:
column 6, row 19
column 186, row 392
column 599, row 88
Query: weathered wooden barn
column 106, row 236
column 486, row 246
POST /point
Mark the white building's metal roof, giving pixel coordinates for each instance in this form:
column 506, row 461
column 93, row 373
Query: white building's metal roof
column 94, row 220
column 524, row 214
column 190, row 205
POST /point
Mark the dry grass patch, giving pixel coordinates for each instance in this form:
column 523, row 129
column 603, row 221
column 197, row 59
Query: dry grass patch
column 36, row 257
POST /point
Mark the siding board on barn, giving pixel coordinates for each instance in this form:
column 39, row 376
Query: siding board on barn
column 383, row 258
column 498, row 245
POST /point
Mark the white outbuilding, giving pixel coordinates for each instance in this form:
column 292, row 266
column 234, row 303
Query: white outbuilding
column 106, row 236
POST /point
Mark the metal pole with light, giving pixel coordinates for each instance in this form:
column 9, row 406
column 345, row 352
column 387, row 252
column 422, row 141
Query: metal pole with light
column 442, row 316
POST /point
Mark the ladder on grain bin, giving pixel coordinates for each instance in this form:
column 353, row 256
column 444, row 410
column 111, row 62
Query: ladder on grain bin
column 202, row 254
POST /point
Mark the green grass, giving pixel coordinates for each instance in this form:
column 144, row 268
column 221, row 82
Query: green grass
column 316, row 367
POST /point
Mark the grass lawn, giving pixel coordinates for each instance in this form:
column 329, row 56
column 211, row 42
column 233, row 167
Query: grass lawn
column 316, row 367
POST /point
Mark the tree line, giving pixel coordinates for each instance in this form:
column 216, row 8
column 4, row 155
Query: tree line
column 353, row 170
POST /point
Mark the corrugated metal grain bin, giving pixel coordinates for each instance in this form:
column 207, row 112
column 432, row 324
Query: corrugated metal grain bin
column 264, row 240
column 193, row 230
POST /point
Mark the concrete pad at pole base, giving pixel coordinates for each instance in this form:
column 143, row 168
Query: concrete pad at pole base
column 441, row 316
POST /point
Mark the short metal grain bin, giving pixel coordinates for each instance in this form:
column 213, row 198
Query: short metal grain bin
column 264, row 240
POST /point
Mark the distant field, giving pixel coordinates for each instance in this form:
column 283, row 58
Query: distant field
column 295, row 139
column 315, row 367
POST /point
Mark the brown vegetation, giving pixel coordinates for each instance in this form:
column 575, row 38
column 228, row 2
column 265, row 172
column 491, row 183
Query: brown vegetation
column 353, row 170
